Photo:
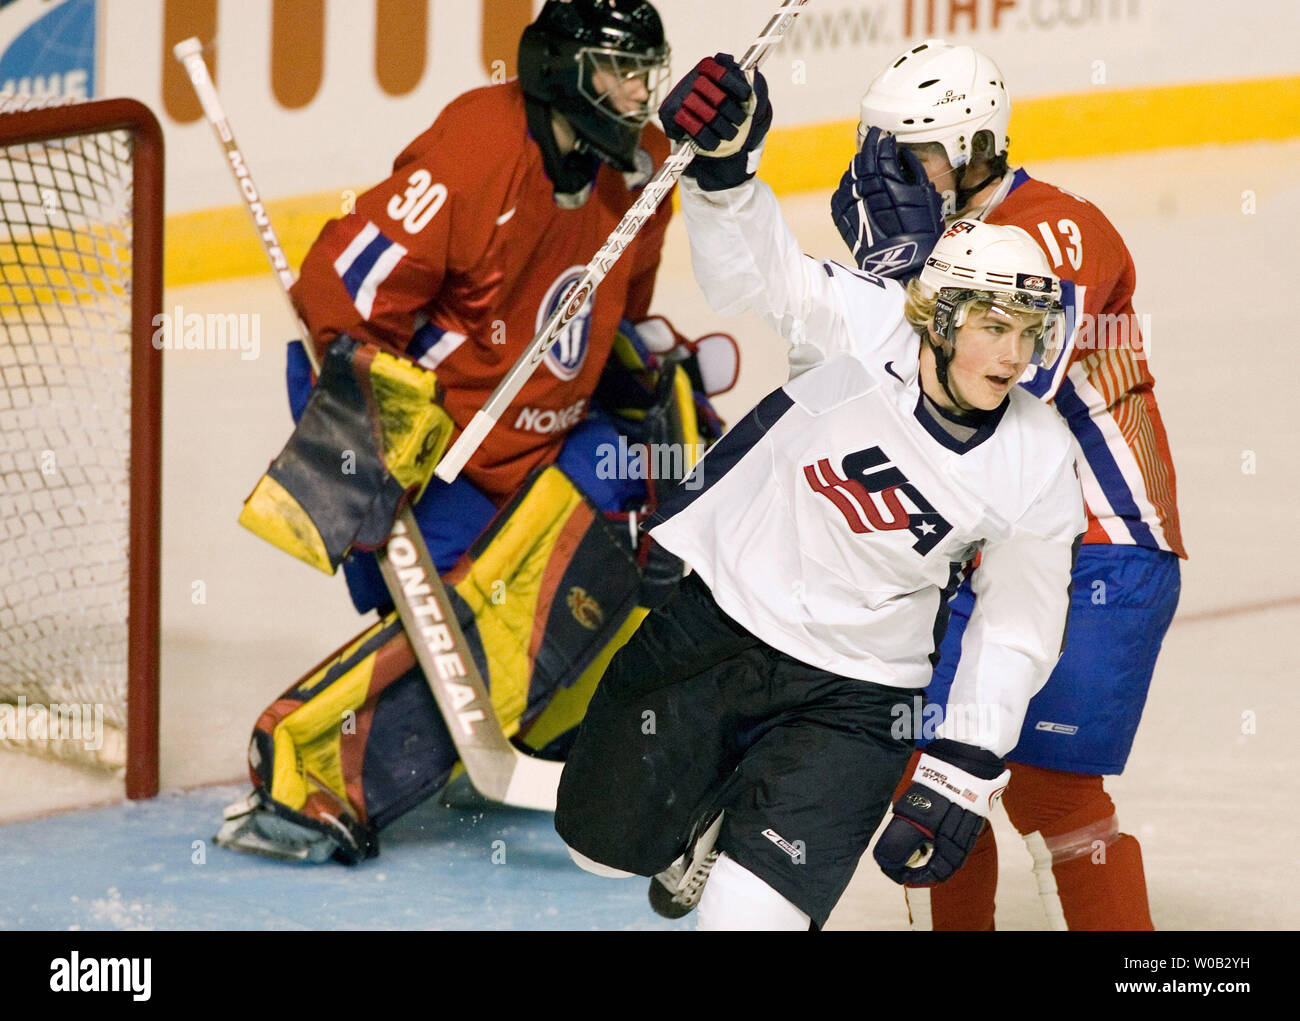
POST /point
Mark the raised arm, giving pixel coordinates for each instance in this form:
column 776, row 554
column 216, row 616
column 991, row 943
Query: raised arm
column 746, row 259
column 745, row 256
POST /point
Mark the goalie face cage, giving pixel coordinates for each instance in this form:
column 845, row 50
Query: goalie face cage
column 81, row 220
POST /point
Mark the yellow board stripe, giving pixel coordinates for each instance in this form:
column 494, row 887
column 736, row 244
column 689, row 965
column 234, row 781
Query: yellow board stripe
column 1099, row 123
column 216, row 244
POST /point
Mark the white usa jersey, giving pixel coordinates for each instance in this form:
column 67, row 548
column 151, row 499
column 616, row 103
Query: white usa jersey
column 832, row 522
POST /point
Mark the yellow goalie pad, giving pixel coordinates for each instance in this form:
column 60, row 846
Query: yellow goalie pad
column 544, row 597
column 547, row 585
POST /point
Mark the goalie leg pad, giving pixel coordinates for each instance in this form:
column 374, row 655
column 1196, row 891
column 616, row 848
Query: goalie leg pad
column 355, row 743
column 542, row 596
column 543, row 593
column 369, row 438
column 553, row 732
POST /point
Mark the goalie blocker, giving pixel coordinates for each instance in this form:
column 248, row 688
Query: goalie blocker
column 368, row 441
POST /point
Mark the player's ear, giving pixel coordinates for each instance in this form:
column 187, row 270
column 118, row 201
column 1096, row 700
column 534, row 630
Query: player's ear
column 983, row 145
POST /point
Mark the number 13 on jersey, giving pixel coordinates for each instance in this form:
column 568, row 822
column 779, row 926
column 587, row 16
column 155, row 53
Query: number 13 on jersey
column 1073, row 238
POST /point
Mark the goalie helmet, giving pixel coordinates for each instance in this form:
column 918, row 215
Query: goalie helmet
column 1000, row 265
column 939, row 93
column 570, row 42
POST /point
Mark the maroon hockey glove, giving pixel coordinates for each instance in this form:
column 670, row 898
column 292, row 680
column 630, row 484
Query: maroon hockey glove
column 939, row 817
column 727, row 119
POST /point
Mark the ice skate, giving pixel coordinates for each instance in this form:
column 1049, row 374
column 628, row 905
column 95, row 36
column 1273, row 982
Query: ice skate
column 675, row 892
column 250, row 828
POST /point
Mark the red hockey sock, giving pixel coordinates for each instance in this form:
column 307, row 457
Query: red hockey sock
column 1089, row 874
column 964, row 902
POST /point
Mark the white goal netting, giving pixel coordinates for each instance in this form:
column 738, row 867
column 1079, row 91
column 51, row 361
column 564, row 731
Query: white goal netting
column 65, row 427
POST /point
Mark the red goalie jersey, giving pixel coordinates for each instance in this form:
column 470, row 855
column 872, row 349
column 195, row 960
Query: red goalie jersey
column 458, row 259
column 1102, row 385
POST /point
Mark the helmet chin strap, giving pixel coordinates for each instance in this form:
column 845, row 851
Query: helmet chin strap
column 997, row 169
column 570, row 174
column 941, row 362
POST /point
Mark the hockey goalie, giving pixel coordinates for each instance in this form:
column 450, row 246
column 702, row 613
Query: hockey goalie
column 417, row 302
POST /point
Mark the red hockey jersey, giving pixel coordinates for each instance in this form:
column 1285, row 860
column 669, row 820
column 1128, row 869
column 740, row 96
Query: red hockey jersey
column 458, row 259
column 1102, row 384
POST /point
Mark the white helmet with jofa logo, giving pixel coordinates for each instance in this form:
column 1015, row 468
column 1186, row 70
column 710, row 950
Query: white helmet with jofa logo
column 940, row 93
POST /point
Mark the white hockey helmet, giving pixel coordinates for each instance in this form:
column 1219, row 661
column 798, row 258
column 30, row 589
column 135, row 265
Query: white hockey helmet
column 977, row 261
column 939, row 93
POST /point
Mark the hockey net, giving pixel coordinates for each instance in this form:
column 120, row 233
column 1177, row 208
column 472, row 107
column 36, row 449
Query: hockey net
column 80, row 398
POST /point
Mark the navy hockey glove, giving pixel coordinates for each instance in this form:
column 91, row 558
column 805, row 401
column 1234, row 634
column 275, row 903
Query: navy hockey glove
column 886, row 209
column 939, row 817
column 716, row 107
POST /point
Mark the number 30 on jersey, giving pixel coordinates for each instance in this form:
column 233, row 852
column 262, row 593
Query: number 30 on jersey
column 419, row 203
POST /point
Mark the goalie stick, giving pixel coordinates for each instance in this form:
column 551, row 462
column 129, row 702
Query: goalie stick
column 633, row 220
column 497, row 768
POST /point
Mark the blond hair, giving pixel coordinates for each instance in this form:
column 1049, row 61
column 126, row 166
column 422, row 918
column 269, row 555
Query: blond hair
column 919, row 306
column 920, row 302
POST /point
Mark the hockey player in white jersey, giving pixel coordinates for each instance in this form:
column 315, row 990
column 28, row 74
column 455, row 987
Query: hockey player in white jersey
column 756, row 724
column 1081, row 726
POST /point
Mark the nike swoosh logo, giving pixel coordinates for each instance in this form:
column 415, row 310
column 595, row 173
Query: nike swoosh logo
column 504, row 217
column 889, row 367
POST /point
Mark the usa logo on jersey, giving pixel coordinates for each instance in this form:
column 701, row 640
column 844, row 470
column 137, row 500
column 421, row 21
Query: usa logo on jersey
column 869, row 495
column 566, row 356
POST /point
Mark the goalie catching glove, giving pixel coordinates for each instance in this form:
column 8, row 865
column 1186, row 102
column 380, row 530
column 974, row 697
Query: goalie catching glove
column 368, row 441
column 938, row 818
column 886, row 209
column 727, row 118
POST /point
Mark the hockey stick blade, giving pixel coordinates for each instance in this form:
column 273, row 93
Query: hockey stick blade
column 459, row 453
column 497, row 768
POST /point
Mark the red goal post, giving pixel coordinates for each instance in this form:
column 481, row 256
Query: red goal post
column 51, row 298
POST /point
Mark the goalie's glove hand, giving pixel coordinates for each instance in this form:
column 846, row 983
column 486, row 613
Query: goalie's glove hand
column 886, row 209
column 727, row 118
column 938, row 818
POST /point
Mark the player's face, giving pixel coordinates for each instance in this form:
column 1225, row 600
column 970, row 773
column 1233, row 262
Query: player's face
column 937, row 166
column 934, row 160
column 627, row 94
column 994, row 347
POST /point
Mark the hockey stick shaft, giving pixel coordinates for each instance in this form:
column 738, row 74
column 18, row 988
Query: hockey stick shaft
column 496, row 767
column 454, row 460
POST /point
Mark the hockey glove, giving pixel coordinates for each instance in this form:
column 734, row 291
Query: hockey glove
column 938, row 818
column 716, row 108
column 369, row 439
column 886, row 209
